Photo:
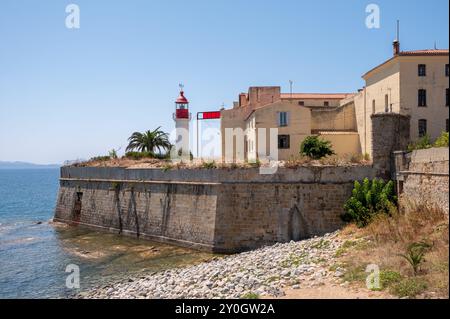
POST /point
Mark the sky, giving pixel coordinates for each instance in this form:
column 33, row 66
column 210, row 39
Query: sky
column 78, row 93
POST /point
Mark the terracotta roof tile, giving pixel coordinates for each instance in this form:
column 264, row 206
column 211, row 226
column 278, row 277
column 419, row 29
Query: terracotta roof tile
column 425, row 52
column 325, row 96
column 429, row 52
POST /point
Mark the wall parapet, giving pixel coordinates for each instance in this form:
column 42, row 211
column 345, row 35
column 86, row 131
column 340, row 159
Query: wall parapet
column 424, row 172
column 307, row 174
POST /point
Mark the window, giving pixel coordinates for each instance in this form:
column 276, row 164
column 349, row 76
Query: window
column 447, row 69
column 422, row 97
column 422, row 128
column 301, row 103
column 283, row 119
column 326, row 103
column 422, row 70
column 373, row 106
column 447, row 100
column 283, row 141
column 386, row 103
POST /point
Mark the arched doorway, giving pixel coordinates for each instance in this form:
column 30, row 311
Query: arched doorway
column 297, row 226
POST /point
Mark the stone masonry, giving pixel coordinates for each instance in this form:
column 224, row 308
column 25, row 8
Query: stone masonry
column 213, row 210
column 390, row 133
column 423, row 177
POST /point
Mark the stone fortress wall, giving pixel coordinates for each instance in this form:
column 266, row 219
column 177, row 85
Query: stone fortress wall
column 231, row 210
column 422, row 177
column 212, row 210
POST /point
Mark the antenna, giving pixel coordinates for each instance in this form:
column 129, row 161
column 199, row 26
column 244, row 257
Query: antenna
column 181, row 85
column 398, row 30
column 290, row 84
column 435, row 45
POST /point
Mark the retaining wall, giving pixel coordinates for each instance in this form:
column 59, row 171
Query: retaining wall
column 423, row 177
column 219, row 210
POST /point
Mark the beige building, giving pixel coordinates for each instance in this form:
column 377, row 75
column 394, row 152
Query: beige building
column 295, row 116
column 413, row 83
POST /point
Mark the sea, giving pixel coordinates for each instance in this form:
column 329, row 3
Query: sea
column 41, row 259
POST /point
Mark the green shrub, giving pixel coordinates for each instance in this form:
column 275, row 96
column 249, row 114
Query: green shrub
column 255, row 163
column 422, row 143
column 316, row 148
column 355, row 274
column 115, row 185
column 113, row 154
column 250, row 295
column 409, row 287
column 415, row 255
column 209, row 165
column 100, row 158
column 368, row 199
column 389, row 278
column 442, row 140
column 162, row 156
column 139, row 155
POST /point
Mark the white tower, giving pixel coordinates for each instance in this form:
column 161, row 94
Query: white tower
column 182, row 118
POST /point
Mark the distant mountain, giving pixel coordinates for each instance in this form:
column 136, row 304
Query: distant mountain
column 24, row 165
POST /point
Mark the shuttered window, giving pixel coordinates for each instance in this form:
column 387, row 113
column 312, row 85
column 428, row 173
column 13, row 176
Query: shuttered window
column 283, row 118
column 422, row 96
column 422, row 128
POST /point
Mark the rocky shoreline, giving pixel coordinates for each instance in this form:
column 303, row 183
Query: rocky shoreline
column 265, row 272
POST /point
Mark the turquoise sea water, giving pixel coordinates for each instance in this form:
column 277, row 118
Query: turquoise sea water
column 34, row 252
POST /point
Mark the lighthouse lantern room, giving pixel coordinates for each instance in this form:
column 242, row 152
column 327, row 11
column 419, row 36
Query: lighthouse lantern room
column 182, row 118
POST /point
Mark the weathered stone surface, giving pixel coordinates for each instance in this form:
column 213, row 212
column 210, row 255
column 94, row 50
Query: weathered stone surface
column 423, row 178
column 390, row 133
column 213, row 210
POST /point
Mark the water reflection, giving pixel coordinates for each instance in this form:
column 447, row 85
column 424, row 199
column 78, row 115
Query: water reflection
column 33, row 259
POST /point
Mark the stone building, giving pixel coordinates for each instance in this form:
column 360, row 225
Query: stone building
column 412, row 83
column 295, row 116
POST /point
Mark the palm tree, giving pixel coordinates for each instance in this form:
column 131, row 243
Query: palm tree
column 149, row 141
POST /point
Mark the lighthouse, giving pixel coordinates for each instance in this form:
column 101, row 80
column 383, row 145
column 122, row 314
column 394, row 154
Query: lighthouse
column 182, row 118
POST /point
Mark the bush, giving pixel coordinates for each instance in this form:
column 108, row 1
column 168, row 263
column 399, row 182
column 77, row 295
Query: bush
column 368, row 199
column 409, row 287
column 162, row 156
column 442, row 141
column 250, row 295
column 316, row 148
column 113, row 154
column 209, row 165
column 389, row 278
column 415, row 255
column 422, row 143
column 100, row 159
column 139, row 155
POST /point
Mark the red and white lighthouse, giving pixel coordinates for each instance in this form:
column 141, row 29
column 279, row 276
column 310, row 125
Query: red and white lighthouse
column 182, row 118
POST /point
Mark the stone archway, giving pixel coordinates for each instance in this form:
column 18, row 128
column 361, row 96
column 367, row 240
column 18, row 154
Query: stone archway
column 297, row 225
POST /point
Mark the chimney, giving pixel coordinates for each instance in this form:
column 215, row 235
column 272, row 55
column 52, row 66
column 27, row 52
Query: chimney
column 396, row 45
column 242, row 99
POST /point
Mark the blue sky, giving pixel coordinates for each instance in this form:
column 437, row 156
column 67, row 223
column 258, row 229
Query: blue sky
column 67, row 94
